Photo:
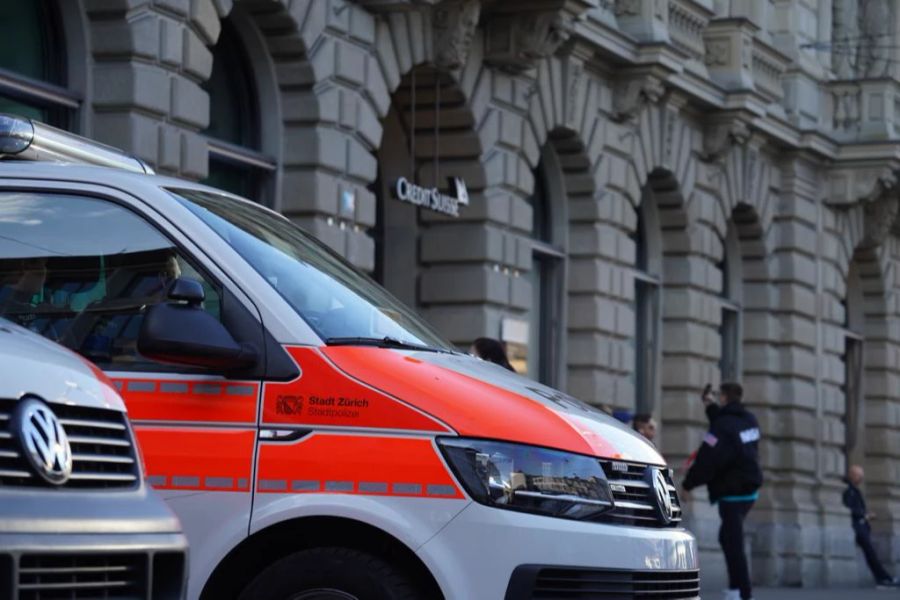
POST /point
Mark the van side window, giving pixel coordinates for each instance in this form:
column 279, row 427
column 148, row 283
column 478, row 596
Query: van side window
column 81, row 271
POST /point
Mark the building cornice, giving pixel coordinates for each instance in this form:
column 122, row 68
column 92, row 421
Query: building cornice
column 667, row 64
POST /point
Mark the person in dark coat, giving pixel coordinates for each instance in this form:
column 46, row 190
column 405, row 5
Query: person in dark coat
column 727, row 463
column 493, row 351
column 859, row 519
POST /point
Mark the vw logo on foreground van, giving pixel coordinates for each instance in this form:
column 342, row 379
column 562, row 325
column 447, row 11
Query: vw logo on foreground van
column 44, row 441
column 662, row 496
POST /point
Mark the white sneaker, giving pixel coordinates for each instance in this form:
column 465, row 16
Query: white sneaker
column 731, row 594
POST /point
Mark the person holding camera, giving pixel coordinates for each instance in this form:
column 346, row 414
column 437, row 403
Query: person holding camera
column 728, row 464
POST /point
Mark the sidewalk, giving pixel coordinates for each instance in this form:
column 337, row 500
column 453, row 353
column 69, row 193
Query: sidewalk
column 813, row 594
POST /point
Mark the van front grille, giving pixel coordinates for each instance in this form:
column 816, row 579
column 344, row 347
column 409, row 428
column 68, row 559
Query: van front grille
column 151, row 575
column 546, row 582
column 632, row 490
column 103, row 454
column 71, row 577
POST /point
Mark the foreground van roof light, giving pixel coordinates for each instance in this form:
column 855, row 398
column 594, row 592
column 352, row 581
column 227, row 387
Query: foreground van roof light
column 25, row 139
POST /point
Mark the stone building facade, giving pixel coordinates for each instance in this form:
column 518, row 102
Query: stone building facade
column 662, row 193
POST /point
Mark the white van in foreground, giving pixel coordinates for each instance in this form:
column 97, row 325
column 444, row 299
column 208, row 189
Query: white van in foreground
column 76, row 519
column 316, row 437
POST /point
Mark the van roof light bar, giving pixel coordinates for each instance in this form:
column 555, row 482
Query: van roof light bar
column 26, row 139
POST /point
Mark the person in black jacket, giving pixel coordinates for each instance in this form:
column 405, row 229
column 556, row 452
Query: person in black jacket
column 728, row 464
column 859, row 518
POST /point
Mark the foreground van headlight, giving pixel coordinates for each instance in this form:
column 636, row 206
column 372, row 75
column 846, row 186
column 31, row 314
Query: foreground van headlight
column 529, row 478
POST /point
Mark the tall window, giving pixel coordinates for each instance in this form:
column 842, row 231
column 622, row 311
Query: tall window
column 547, row 285
column 854, row 366
column 730, row 329
column 647, row 292
column 236, row 163
column 32, row 67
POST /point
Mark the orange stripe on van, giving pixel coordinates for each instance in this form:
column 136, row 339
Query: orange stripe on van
column 355, row 464
column 189, row 400
column 323, row 395
column 198, row 459
column 459, row 400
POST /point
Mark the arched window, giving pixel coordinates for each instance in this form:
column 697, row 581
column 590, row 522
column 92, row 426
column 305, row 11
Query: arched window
column 730, row 329
column 854, row 366
column 33, row 63
column 647, row 291
column 546, row 317
column 236, row 162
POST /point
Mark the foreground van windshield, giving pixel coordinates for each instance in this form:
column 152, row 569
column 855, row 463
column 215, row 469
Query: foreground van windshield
column 341, row 304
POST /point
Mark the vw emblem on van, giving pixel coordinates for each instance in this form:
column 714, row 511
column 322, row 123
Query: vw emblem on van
column 662, row 496
column 44, row 441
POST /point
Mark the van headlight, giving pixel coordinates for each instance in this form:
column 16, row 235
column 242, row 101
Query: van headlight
column 529, row 478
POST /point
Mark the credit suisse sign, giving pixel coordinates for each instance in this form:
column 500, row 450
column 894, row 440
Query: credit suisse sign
column 433, row 198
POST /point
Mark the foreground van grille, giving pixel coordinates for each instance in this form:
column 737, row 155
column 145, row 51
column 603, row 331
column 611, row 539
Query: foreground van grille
column 65, row 577
column 633, row 495
column 572, row 583
column 103, row 454
column 151, row 575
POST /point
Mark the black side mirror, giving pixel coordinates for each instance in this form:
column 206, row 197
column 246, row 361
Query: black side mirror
column 187, row 290
column 181, row 332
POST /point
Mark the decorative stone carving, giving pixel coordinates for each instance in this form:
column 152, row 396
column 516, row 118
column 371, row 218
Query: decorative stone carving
column 875, row 23
column 661, row 9
column 845, row 27
column 671, row 117
column 865, row 109
column 852, row 184
column 880, row 211
column 514, row 42
column 687, row 21
column 628, row 7
column 721, row 135
column 747, row 53
column 768, row 68
column 632, row 95
column 751, row 171
column 453, row 24
column 876, row 188
column 519, row 33
column 846, row 113
column 574, row 81
column 729, row 52
column 880, row 220
column 718, row 52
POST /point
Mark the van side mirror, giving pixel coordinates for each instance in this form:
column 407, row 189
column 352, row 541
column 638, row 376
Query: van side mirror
column 181, row 332
column 188, row 290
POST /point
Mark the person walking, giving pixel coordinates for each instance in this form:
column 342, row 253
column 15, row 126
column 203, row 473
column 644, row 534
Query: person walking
column 645, row 425
column 859, row 519
column 493, row 351
column 728, row 464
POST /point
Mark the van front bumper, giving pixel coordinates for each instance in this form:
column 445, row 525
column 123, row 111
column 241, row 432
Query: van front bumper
column 146, row 565
column 489, row 553
column 90, row 544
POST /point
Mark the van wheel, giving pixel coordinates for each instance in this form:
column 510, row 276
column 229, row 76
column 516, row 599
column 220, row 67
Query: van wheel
column 330, row 574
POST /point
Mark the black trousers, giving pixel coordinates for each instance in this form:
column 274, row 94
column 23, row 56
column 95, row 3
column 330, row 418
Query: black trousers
column 864, row 541
column 731, row 538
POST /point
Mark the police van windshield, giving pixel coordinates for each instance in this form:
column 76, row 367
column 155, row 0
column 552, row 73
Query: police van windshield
column 340, row 303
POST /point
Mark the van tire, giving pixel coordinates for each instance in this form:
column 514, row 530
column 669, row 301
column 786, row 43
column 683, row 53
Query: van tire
column 355, row 573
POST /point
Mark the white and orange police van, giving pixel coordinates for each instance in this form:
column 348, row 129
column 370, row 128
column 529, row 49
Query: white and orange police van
column 316, row 438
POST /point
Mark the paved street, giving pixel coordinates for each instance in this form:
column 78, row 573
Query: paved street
column 813, row 594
